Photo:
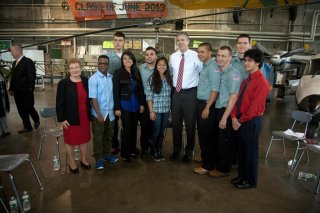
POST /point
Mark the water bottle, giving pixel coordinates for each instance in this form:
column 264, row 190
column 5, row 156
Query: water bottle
column 292, row 162
column 56, row 163
column 26, row 201
column 306, row 176
column 13, row 205
column 76, row 153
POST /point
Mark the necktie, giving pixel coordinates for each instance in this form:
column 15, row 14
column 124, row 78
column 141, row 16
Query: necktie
column 17, row 61
column 180, row 74
column 246, row 83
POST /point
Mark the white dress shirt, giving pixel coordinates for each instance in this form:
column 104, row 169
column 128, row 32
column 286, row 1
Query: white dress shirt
column 192, row 68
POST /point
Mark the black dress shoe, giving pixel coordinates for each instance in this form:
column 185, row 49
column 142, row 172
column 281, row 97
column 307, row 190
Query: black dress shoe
column 74, row 171
column 174, row 156
column 24, row 131
column 236, row 180
column 85, row 166
column 133, row 155
column 127, row 160
column 36, row 125
column 186, row 159
column 245, row 185
column 5, row 134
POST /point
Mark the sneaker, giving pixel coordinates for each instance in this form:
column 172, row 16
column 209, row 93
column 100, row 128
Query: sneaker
column 200, row 170
column 99, row 165
column 161, row 157
column 155, row 157
column 111, row 158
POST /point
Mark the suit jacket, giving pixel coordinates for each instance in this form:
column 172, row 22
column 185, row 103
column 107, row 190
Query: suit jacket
column 67, row 101
column 23, row 76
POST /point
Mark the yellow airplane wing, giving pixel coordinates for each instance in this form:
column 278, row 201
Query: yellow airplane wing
column 208, row 4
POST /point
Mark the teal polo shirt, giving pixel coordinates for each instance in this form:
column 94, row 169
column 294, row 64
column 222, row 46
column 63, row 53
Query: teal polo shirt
column 145, row 73
column 114, row 62
column 231, row 80
column 238, row 65
column 209, row 79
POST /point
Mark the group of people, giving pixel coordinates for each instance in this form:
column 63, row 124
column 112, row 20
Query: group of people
column 230, row 102
column 223, row 98
column 119, row 89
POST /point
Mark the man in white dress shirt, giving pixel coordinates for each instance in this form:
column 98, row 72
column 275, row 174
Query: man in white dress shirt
column 185, row 67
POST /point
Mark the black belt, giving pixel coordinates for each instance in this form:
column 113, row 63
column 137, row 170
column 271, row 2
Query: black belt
column 185, row 90
column 201, row 101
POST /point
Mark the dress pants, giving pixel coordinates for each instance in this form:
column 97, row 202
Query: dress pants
column 248, row 149
column 184, row 109
column 145, row 128
column 3, row 120
column 114, row 139
column 129, row 133
column 226, row 143
column 25, row 102
column 207, row 134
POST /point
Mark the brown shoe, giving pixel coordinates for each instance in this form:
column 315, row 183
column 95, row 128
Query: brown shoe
column 217, row 174
column 200, row 170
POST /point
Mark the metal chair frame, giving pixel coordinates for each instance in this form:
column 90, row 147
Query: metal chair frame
column 314, row 148
column 300, row 116
column 57, row 132
column 3, row 202
column 8, row 163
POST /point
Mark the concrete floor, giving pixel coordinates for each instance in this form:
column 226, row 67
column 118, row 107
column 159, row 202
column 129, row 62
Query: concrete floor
column 147, row 186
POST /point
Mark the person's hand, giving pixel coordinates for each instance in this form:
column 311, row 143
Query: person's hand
column 65, row 124
column 11, row 92
column 235, row 124
column 205, row 113
column 141, row 109
column 100, row 119
column 153, row 116
column 223, row 124
column 118, row 113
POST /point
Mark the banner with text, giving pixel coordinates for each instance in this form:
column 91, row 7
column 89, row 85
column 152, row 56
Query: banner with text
column 114, row 9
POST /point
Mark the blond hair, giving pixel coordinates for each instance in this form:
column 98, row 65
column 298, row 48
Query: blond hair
column 74, row 61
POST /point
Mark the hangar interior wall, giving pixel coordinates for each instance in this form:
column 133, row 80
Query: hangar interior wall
column 32, row 22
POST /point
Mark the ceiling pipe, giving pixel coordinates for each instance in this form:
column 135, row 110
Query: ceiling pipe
column 263, row 36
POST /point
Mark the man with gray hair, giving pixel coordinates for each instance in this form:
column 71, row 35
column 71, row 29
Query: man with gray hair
column 185, row 67
column 22, row 85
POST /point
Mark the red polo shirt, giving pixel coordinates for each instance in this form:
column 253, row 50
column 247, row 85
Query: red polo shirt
column 254, row 97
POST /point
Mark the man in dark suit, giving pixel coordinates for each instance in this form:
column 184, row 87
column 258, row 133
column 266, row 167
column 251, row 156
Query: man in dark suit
column 22, row 86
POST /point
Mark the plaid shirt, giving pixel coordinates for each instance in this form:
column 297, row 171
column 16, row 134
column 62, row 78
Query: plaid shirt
column 162, row 101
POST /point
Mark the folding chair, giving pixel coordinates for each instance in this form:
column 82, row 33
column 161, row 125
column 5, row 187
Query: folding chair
column 315, row 148
column 297, row 116
column 50, row 113
column 3, row 200
column 8, row 163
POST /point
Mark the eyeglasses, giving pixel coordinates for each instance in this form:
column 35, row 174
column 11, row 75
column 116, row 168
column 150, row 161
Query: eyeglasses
column 103, row 64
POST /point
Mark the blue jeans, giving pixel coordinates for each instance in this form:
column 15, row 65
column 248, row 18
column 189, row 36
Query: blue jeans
column 158, row 127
